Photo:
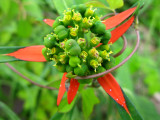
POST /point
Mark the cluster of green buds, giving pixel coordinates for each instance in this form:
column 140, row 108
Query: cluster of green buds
column 73, row 43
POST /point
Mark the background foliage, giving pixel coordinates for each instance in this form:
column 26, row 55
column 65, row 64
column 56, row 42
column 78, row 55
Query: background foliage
column 21, row 25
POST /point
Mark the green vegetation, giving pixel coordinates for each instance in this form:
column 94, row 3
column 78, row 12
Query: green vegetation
column 21, row 24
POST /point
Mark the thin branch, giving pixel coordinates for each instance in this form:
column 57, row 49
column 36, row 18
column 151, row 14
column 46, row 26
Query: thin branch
column 117, row 66
column 29, row 80
column 124, row 47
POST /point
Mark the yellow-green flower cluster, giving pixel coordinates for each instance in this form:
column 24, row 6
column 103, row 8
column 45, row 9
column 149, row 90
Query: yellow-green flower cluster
column 72, row 45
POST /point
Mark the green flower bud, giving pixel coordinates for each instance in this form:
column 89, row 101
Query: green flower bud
column 69, row 69
column 100, row 60
column 105, row 37
column 50, row 41
column 82, row 8
column 62, row 35
column 98, row 28
column 47, row 56
column 81, row 71
column 75, row 50
column 74, row 61
column 57, row 22
column 70, row 43
column 59, row 28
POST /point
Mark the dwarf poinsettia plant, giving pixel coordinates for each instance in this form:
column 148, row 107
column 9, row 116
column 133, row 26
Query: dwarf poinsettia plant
column 80, row 45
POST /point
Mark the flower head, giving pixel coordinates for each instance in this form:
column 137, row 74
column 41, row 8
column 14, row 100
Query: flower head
column 75, row 46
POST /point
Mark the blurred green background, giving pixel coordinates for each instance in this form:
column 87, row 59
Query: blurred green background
column 21, row 25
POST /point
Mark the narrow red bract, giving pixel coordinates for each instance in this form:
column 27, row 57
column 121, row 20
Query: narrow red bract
column 117, row 19
column 72, row 91
column 30, row 53
column 49, row 22
column 119, row 31
column 62, row 88
column 110, row 85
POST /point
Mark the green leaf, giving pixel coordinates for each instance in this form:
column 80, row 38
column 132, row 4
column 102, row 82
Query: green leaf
column 9, row 113
column 5, row 50
column 134, row 114
column 88, row 101
column 62, row 5
column 64, row 106
column 125, row 82
column 5, row 5
column 33, row 8
column 97, row 3
column 4, row 59
column 144, row 106
column 57, row 116
column 147, row 108
column 5, row 36
column 24, row 28
column 114, row 4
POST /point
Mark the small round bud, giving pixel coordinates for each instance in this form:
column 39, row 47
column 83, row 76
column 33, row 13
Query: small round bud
column 75, row 50
column 70, row 43
column 105, row 37
column 69, row 69
column 81, row 71
column 57, row 22
column 62, row 35
column 98, row 28
column 50, row 41
column 74, row 61
column 59, row 28
column 82, row 8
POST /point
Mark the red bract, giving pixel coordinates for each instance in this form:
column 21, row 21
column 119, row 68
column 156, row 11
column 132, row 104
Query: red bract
column 108, row 82
column 111, row 86
column 62, row 88
column 49, row 22
column 72, row 91
column 119, row 31
column 30, row 53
